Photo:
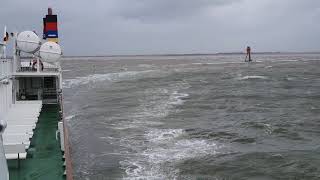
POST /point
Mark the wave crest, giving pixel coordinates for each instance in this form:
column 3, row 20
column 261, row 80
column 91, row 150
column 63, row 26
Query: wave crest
column 112, row 77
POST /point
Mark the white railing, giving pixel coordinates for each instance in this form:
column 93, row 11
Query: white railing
column 4, row 174
column 26, row 65
column 5, row 86
column 5, row 68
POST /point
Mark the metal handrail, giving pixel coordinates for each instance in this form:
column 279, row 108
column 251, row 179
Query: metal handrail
column 4, row 173
column 30, row 69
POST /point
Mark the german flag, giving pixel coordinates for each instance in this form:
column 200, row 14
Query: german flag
column 50, row 28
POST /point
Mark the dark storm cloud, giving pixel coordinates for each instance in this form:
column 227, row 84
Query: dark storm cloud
column 98, row 27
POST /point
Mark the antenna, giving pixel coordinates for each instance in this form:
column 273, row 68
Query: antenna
column 49, row 11
column 4, row 33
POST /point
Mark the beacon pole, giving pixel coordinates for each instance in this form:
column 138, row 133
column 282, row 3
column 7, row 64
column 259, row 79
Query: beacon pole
column 248, row 54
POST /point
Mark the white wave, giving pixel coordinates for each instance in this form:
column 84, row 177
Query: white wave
column 166, row 148
column 288, row 60
column 160, row 135
column 218, row 63
column 70, row 117
column 145, row 66
column 157, row 103
column 136, row 124
column 252, row 77
column 112, row 77
column 177, row 98
column 157, row 146
column 181, row 150
column 226, row 62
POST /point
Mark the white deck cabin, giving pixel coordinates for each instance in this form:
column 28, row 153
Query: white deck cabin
column 25, row 85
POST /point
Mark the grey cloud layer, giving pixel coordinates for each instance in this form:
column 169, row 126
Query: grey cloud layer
column 164, row 9
column 99, row 27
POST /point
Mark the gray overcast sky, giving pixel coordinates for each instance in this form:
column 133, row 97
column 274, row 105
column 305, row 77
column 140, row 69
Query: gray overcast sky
column 106, row 27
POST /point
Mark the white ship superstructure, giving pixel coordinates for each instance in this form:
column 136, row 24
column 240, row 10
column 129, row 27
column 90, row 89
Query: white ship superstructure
column 31, row 94
column 5, row 104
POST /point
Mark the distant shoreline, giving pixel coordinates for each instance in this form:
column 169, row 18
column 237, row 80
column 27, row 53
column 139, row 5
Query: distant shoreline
column 193, row 54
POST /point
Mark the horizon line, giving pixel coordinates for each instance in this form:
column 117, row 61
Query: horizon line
column 197, row 54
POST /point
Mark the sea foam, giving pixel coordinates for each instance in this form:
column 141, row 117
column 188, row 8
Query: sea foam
column 112, row 77
column 252, row 77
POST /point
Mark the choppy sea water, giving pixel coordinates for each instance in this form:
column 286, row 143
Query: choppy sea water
column 194, row 117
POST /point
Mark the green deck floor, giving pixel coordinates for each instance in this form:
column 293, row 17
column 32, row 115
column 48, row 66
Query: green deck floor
column 44, row 159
